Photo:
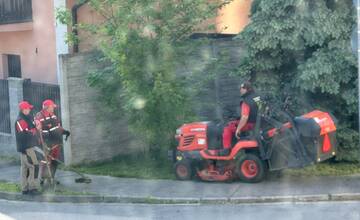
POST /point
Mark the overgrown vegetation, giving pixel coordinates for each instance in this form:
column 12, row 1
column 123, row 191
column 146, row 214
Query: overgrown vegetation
column 302, row 48
column 297, row 48
column 145, row 41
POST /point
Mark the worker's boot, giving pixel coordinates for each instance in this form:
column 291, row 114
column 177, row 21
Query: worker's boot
column 34, row 192
column 224, row 152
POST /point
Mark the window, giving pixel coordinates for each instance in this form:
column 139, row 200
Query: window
column 15, row 11
column 14, row 66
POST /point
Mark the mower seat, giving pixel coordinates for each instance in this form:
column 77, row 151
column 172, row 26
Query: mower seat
column 244, row 136
column 214, row 135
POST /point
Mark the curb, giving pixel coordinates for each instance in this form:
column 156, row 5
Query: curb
column 164, row 200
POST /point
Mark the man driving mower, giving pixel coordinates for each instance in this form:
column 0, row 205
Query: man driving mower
column 248, row 113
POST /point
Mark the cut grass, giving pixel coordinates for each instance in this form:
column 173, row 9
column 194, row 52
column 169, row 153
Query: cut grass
column 144, row 168
column 326, row 169
column 15, row 188
column 9, row 187
column 130, row 167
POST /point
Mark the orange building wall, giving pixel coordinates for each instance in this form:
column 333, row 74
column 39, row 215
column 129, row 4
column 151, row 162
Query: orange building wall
column 86, row 15
column 39, row 66
column 233, row 17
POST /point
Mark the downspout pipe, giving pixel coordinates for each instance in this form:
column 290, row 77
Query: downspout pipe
column 74, row 15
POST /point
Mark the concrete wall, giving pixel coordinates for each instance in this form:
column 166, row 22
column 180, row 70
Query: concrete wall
column 98, row 136
column 8, row 141
column 34, row 42
column 94, row 135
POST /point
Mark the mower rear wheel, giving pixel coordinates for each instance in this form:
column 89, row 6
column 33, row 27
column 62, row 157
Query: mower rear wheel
column 183, row 170
column 250, row 168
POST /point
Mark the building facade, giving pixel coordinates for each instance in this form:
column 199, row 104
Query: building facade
column 31, row 39
column 27, row 40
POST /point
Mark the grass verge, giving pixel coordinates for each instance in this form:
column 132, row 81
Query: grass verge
column 9, row 187
column 326, row 169
column 9, row 160
column 138, row 166
column 15, row 188
column 145, row 168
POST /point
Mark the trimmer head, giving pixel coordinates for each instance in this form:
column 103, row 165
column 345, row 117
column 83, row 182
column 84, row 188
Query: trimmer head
column 83, row 180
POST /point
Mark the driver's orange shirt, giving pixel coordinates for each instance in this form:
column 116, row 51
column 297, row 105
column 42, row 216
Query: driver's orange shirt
column 245, row 109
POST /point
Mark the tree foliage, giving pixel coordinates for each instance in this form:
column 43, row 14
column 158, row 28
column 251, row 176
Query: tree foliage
column 302, row 48
column 145, row 41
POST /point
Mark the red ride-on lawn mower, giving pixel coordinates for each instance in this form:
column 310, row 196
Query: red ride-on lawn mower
column 278, row 141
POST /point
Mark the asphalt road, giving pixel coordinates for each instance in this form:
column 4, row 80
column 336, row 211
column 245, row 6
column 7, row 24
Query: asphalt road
column 10, row 210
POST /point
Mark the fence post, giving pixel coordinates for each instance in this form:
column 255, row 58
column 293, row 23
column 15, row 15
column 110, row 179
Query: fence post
column 65, row 111
column 15, row 86
column 15, row 96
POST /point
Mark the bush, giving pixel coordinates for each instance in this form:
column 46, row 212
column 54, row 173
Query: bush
column 303, row 51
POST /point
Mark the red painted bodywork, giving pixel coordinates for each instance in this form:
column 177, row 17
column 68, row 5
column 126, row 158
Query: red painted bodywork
column 192, row 137
column 325, row 122
column 238, row 147
column 211, row 173
column 197, row 130
column 323, row 119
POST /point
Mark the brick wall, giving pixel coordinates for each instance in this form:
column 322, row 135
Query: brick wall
column 94, row 136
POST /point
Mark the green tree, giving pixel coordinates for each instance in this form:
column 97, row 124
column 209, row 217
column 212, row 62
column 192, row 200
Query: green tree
column 145, row 41
column 302, row 48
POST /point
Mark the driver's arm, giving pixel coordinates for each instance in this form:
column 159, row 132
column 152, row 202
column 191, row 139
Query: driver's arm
column 245, row 111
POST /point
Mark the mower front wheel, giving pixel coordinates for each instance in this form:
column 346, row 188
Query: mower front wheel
column 250, row 168
column 183, row 170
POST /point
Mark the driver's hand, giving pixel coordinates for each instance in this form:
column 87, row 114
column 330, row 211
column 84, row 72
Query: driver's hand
column 237, row 134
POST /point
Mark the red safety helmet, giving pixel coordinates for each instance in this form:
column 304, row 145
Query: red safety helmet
column 25, row 105
column 48, row 102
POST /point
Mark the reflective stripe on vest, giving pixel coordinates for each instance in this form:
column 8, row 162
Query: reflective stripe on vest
column 51, row 129
column 21, row 129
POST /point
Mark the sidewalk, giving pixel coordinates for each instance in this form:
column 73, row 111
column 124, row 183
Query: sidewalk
column 112, row 189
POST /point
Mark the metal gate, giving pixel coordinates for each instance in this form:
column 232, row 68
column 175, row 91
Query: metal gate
column 36, row 93
column 5, row 126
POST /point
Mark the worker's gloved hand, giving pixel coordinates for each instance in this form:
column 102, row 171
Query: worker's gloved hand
column 67, row 134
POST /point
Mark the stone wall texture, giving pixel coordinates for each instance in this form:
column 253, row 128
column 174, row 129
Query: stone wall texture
column 94, row 136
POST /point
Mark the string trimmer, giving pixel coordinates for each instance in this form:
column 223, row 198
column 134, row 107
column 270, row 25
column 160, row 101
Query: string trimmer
column 46, row 153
